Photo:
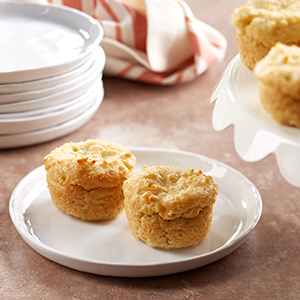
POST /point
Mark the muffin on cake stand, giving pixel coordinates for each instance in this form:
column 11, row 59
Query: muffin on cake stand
column 256, row 134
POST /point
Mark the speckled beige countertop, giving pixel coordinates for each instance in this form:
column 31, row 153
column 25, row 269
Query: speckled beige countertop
column 266, row 266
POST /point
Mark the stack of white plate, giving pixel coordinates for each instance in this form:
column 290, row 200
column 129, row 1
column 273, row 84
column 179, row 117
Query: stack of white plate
column 51, row 68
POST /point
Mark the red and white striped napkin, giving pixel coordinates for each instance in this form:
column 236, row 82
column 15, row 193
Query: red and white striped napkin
column 155, row 41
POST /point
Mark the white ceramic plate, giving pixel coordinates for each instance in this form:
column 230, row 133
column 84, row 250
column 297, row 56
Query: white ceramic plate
column 39, row 41
column 51, row 133
column 53, row 99
column 52, row 108
column 107, row 248
column 256, row 134
column 42, row 121
column 47, row 82
column 96, row 68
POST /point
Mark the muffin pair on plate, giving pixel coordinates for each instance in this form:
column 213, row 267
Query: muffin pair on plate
column 166, row 206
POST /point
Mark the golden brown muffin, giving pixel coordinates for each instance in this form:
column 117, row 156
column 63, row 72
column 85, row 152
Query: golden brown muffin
column 169, row 207
column 279, row 83
column 85, row 179
column 260, row 24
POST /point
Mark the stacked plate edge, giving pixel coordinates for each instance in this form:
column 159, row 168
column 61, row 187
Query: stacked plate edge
column 51, row 74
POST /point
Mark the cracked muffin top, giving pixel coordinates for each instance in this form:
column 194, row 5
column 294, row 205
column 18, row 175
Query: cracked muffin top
column 269, row 21
column 170, row 191
column 90, row 164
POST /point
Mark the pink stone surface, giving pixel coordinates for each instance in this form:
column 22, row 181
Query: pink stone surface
column 266, row 266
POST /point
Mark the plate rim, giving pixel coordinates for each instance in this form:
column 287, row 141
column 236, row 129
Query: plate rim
column 55, row 132
column 96, row 67
column 16, row 76
column 6, row 88
column 226, row 246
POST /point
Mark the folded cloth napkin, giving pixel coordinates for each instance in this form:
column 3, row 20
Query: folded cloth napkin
column 155, row 41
